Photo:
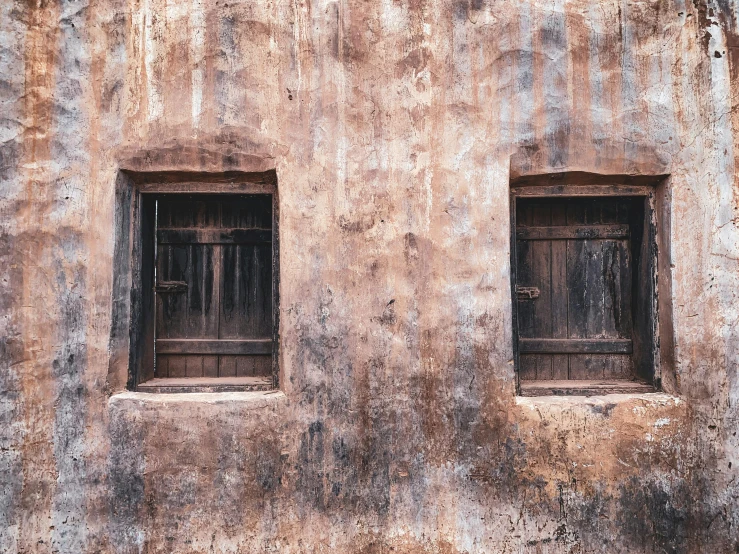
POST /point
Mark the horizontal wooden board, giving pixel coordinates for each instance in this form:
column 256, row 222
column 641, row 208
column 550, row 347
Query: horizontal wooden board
column 583, row 387
column 573, row 232
column 205, row 346
column 214, row 236
column 206, row 384
column 575, row 346
column 582, row 190
column 171, row 286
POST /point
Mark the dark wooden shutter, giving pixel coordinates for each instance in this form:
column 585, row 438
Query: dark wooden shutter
column 214, row 286
column 574, row 288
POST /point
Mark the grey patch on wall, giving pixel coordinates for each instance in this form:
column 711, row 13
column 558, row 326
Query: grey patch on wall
column 657, row 514
column 12, row 431
column 557, row 133
column 126, row 467
column 68, row 367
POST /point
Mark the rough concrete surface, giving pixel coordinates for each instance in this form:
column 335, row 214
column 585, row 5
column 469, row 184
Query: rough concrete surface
column 395, row 128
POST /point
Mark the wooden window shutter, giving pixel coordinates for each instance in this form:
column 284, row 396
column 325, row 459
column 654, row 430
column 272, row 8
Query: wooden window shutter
column 213, row 286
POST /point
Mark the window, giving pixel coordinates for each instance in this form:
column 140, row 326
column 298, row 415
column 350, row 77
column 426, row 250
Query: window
column 583, row 271
column 213, row 289
column 197, row 254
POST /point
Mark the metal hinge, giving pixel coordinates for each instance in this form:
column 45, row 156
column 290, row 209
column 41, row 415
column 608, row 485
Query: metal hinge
column 527, row 293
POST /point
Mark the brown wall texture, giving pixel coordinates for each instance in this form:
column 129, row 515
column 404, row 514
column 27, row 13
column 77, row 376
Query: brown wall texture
column 395, row 128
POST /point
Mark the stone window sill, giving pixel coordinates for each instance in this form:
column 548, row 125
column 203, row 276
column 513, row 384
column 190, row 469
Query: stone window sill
column 206, row 384
column 583, row 388
column 254, row 399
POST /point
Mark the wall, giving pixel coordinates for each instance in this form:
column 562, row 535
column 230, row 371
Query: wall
column 395, row 128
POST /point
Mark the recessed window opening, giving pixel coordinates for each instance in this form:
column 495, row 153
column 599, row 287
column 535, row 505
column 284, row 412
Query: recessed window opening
column 584, row 293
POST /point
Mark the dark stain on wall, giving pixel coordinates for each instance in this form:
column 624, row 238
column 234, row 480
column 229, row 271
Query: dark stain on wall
column 126, row 474
column 71, row 398
column 657, row 512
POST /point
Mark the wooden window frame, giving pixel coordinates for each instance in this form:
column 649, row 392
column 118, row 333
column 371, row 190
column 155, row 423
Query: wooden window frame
column 587, row 185
column 134, row 214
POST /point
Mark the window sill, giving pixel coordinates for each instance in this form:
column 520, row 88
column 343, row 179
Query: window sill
column 206, row 384
column 248, row 400
column 583, row 388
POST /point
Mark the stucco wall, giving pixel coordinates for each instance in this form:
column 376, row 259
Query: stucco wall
column 395, row 129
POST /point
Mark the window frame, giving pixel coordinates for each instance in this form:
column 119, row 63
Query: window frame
column 595, row 186
column 135, row 215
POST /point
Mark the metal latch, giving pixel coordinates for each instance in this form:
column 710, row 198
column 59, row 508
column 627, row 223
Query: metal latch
column 527, row 293
column 171, row 286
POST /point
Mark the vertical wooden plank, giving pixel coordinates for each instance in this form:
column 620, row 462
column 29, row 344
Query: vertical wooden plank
column 227, row 214
column 536, row 366
column 577, row 211
column 523, row 213
column 210, row 366
column 559, row 292
column 585, row 304
column 216, row 285
column 180, row 212
column 527, row 367
column 624, row 211
column 575, row 286
column 609, row 210
column 196, row 325
column 226, row 366
column 211, row 288
column 247, row 292
column 524, row 272
column 194, row 366
column 162, row 366
column 595, row 290
column 587, row 366
column 163, row 264
column 624, row 316
column 264, row 290
column 541, row 267
column 558, row 213
column 206, row 213
column 229, row 324
column 617, row 288
column 577, row 265
column 257, row 366
column 612, row 288
column 202, row 297
column 173, row 265
column 177, row 365
column 164, row 217
column 524, row 277
column 624, row 320
column 263, row 366
column 617, row 367
column 175, row 317
column 245, row 366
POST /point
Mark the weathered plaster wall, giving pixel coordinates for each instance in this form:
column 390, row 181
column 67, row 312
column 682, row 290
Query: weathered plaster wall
column 395, row 128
